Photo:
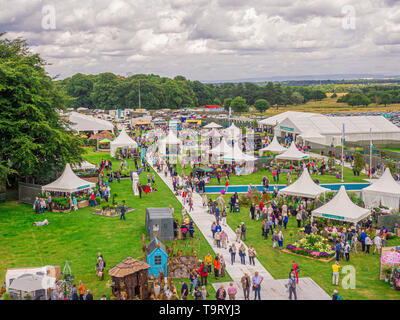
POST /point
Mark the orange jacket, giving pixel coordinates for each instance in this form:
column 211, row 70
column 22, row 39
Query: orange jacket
column 217, row 264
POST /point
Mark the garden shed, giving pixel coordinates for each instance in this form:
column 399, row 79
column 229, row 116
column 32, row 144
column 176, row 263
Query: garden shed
column 129, row 279
column 157, row 257
column 163, row 218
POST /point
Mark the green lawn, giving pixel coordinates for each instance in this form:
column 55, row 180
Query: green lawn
column 79, row 236
column 368, row 285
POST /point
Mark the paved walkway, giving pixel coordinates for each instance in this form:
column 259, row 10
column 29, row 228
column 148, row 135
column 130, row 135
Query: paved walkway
column 271, row 289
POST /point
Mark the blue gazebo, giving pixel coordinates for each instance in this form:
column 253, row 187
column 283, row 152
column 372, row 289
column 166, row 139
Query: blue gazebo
column 157, row 257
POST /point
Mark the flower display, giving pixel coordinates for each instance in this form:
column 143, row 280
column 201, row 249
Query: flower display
column 312, row 245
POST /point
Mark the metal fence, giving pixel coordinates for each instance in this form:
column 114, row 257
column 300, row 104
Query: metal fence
column 27, row 192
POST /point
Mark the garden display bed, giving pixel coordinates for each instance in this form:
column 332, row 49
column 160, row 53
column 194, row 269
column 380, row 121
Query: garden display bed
column 111, row 213
column 307, row 257
column 62, row 211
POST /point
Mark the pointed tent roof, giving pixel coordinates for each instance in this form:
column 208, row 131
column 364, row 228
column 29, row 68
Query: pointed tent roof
column 292, row 154
column 171, row 138
column 213, row 133
column 384, row 185
column 236, row 154
column 341, row 208
column 68, row 182
column 212, row 125
column 124, row 140
column 222, row 148
column 304, row 186
column 232, row 131
column 274, row 147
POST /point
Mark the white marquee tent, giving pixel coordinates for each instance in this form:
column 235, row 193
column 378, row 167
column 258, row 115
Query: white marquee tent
column 385, row 191
column 292, row 154
column 81, row 122
column 232, row 132
column 304, row 186
column 341, row 208
column 122, row 141
column 84, row 165
column 274, row 147
column 68, row 182
column 212, row 134
column 212, row 125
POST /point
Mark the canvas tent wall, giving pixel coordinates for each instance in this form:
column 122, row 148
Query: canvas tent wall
column 341, row 208
column 122, row 141
column 385, row 191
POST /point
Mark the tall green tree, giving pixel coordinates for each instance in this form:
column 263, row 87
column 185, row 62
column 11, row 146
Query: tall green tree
column 261, row 105
column 239, row 105
column 34, row 140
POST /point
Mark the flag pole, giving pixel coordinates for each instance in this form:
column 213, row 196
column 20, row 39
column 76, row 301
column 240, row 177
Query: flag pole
column 370, row 154
column 342, row 159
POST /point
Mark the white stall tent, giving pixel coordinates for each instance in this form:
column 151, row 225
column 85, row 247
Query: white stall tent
column 304, row 186
column 236, row 154
column 292, row 154
column 341, row 208
column 68, row 182
column 81, row 122
column 84, row 165
column 385, row 191
column 232, row 132
column 212, row 125
column 274, row 147
column 122, row 141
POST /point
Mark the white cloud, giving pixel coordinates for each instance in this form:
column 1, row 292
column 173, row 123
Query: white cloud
column 209, row 40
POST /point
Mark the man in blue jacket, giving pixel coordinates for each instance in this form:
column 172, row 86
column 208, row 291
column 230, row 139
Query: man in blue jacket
column 363, row 235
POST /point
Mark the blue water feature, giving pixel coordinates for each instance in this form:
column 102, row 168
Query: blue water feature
column 242, row 189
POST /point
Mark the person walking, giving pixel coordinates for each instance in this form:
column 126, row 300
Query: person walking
column 280, row 240
column 246, row 286
column 81, row 290
column 221, row 293
column 217, row 238
column 242, row 254
column 232, row 251
column 347, row 250
column 232, row 291
column 224, row 239
column 243, row 232
column 377, row 243
column 203, row 273
column 256, row 283
column 292, row 286
column 217, row 267
column 208, row 261
column 252, row 255
column 123, row 210
column 368, row 243
column 238, row 233
column 335, row 273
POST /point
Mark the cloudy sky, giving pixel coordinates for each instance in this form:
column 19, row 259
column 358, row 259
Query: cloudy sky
column 209, row 40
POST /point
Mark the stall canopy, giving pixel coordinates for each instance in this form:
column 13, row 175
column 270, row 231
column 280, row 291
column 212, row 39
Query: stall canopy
column 274, row 147
column 212, row 125
column 222, row 148
column 232, row 132
column 68, row 182
column 292, row 154
column 341, row 208
column 304, row 187
column 236, row 154
column 122, row 141
column 213, row 134
column 82, row 122
column 385, row 191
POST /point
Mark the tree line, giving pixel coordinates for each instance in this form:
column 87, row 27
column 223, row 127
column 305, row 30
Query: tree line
column 110, row 91
column 380, row 95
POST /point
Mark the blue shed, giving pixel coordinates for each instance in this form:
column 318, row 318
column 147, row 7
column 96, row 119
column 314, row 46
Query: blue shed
column 157, row 257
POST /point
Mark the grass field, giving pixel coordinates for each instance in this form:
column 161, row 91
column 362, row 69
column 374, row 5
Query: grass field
column 368, row 285
column 79, row 236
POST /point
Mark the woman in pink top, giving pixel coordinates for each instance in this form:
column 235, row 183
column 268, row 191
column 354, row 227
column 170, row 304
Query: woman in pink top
column 224, row 239
column 232, row 291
